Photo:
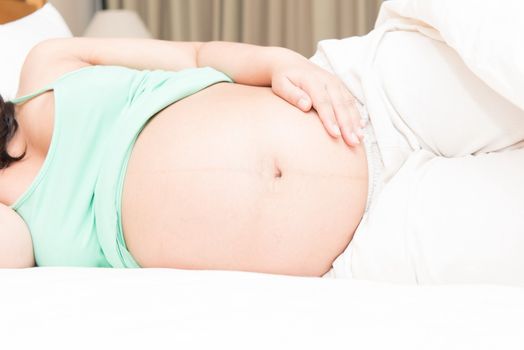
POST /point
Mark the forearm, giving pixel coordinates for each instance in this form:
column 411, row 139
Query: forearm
column 245, row 63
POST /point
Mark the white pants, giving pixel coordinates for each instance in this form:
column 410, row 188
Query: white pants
column 451, row 205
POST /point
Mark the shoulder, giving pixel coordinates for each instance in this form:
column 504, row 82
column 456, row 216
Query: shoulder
column 46, row 62
column 16, row 249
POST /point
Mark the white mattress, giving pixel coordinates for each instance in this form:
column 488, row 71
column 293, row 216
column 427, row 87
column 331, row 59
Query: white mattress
column 88, row 308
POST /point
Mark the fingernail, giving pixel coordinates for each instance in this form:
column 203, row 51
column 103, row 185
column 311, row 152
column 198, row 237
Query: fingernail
column 363, row 122
column 353, row 138
column 303, row 104
column 336, row 129
column 360, row 132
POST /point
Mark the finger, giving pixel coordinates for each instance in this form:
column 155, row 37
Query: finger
column 356, row 118
column 292, row 94
column 342, row 104
column 322, row 103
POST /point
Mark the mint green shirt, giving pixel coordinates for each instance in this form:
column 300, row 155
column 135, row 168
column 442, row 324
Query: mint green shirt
column 73, row 206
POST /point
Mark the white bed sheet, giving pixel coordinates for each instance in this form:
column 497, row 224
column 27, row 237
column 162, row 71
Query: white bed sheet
column 89, row 308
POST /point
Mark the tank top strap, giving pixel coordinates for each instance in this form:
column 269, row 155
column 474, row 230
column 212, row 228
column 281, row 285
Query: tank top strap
column 27, row 97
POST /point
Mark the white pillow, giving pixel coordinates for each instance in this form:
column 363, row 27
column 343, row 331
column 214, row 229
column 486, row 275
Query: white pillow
column 486, row 34
column 18, row 37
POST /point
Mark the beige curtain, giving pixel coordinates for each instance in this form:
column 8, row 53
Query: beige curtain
column 296, row 24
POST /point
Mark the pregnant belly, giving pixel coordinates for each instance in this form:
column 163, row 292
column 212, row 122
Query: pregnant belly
column 235, row 178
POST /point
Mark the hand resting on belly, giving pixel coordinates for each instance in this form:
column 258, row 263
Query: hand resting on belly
column 233, row 177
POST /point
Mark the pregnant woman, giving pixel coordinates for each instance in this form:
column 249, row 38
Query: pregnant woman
column 139, row 154
column 124, row 153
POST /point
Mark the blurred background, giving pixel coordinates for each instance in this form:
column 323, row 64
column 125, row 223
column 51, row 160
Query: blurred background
column 295, row 24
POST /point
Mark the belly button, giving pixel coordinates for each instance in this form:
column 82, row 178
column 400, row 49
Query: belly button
column 269, row 168
column 278, row 173
column 274, row 183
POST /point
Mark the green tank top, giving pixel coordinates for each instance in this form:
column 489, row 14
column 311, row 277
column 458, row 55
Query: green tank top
column 72, row 207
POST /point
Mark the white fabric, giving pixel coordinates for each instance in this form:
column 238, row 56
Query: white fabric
column 89, row 308
column 486, row 34
column 452, row 204
column 18, row 37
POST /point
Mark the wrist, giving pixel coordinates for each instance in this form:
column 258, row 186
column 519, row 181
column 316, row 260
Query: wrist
column 282, row 58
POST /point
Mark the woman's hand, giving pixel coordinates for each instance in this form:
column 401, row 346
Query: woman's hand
column 306, row 85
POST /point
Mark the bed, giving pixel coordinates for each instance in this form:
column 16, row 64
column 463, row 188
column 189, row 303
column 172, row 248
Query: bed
column 83, row 308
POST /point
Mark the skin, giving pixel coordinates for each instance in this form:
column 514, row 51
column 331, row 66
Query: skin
column 230, row 187
column 274, row 200
column 15, row 251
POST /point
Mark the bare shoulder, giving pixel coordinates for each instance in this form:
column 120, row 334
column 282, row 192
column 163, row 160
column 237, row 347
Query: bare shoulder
column 46, row 62
column 16, row 247
column 10, row 219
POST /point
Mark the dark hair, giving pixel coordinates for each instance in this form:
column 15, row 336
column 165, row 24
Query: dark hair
column 8, row 127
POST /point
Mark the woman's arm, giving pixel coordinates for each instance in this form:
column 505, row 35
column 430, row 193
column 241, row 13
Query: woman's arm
column 16, row 247
column 292, row 76
column 246, row 64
